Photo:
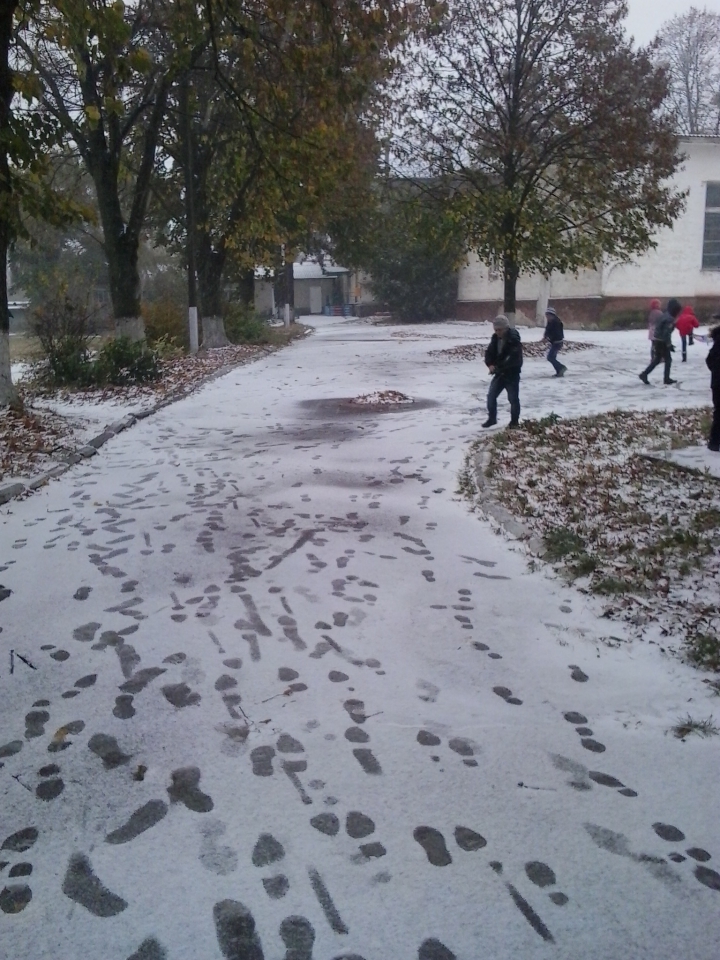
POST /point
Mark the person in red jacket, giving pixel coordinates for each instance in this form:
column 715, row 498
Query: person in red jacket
column 685, row 324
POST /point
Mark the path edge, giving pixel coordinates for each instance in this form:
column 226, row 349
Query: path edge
column 16, row 490
column 476, row 464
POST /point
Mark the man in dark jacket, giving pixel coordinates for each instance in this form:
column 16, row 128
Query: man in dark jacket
column 662, row 342
column 555, row 335
column 713, row 362
column 504, row 358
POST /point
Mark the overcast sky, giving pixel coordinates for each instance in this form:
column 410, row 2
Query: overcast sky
column 647, row 16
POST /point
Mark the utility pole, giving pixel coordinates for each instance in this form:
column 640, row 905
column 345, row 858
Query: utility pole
column 186, row 121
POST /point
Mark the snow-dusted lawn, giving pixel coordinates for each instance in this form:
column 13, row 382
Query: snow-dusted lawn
column 617, row 520
column 268, row 689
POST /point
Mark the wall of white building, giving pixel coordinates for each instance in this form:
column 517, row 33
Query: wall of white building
column 672, row 269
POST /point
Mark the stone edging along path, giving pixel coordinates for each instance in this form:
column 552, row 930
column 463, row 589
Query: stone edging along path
column 477, row 461
column 14, row 491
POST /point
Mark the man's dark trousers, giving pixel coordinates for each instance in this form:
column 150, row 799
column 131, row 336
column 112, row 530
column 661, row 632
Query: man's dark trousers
column 714, row 438
column 660, row 354
column 554, row 350
column 497, row 385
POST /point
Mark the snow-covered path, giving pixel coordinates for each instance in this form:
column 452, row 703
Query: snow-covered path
column 267, row 689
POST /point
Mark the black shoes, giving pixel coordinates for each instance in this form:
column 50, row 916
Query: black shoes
column 669, row 382
column 561, row 371
column 513, row 425
column 715, row 447
column 489, row 423
column 643, row 377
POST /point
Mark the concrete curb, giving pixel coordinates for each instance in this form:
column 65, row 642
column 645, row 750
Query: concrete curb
column 484, row 499
column 14, row 491
column 665, row 460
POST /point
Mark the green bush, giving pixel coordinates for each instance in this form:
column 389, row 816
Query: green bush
column 414, row 258
column 166, row 320
column 561, row 541
column 61, row 324
column 123, row 361
column 69, row 362
column 243, row 325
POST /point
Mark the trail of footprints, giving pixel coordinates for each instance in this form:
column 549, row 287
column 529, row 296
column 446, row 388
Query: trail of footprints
column 540, row 874
column 235, row 926
column 463, row 746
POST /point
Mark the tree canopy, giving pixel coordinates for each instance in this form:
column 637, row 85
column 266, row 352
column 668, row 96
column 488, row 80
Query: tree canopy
column 688, row 48
column 546, row 128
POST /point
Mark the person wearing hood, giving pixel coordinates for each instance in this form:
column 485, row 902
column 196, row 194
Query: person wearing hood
column 662, row 342
column 713, row 362
column 653, row 317
column 685, row 324
column 504, row 359
column 555, row 335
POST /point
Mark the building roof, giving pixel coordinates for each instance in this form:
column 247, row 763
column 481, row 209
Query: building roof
column 308, row 269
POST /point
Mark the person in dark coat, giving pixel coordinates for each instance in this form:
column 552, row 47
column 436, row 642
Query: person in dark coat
column 713, row 362
column 504, row 359
column 555, row 335
column 653, row 317
column 662, row 342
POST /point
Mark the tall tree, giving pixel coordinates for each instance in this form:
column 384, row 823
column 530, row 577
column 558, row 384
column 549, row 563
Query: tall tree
column 27, row 143
column 409, row 243
column 105, row 73
column 548, row 128
column 301, row 84
column 688, row 46
column 7, row 92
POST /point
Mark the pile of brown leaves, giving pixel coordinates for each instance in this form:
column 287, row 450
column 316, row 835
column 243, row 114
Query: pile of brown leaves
column 476, row 351
column 28, row 441
column 645, row 535
column 380, row 397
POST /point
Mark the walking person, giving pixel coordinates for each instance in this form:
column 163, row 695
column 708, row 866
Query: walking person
column 653, row 317
column 555, row 335
column 504, row 359
column 713, row 362
column 662, row 347
column 686, row 323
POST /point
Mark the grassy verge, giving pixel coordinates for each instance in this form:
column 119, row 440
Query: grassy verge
column 642, row 535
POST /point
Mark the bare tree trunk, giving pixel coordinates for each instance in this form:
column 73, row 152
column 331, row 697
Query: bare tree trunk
column 210, row 266
column 247, row 287
column 510, row 278
column 290, row 288
column 8, row 393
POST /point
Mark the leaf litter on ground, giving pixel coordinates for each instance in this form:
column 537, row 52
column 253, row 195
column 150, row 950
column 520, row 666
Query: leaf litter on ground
column 641, row 534
column 476, row 351
column 33, row 440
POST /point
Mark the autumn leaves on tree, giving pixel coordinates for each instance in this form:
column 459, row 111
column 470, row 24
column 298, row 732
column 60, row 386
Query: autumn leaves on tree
column 239, row 132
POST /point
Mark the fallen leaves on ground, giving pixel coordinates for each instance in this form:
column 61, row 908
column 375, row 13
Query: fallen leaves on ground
column 534, row 348
column 388, row 397
column 644, row 534
column 28, row 440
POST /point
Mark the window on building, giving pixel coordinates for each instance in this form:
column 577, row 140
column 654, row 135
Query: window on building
column 711, row 237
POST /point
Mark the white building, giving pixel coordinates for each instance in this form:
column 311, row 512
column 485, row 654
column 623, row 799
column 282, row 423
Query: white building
column 317, row 286
column 685, row 264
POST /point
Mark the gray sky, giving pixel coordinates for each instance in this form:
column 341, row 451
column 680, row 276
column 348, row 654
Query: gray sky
column 647, row 16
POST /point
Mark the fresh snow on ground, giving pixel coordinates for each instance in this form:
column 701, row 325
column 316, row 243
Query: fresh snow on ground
column 268, row 689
